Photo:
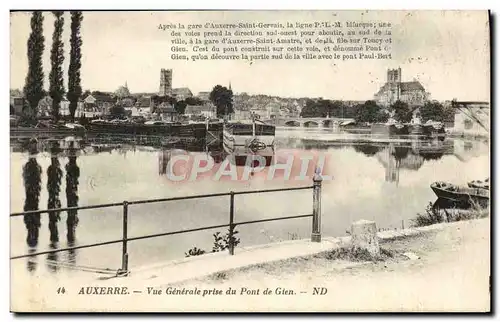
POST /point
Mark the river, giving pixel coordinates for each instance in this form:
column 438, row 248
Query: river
column 387, row 182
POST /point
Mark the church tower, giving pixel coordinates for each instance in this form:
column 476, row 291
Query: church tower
column 165, row 82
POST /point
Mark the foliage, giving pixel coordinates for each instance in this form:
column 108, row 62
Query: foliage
column 195, row 251
column 56, row 89
column 32, row 173
column 434, row 215
column 33, row 88
column 54, row 177
column 370, row 112
column 117, row 111
column 435, row 111
column 74, row 81
column 430, row 217
column 180, row 107
column 72, row 175
column 402, row 112
column 193, row 101
column 324, row 108
column 221, row 243
column 222, row 98
column 12, row 110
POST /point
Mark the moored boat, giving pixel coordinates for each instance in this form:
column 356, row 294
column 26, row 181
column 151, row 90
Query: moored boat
column 433, row 127
column 254, row 135
column 456, row 193
column 391, row 127
column 416, row 127
column 480, row 184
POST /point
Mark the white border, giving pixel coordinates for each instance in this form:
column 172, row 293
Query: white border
column 6, row 5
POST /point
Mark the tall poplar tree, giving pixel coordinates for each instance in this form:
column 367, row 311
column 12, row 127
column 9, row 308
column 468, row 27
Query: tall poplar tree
column 33, row 87
column 74, row 82
column 56, row 89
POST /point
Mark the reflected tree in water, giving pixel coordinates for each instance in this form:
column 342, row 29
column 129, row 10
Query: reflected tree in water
column 32, row 173
column 54, row 178
column 72, row 175
column 367, row 149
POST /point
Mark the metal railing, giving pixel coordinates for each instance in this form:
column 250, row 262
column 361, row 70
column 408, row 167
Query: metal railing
column 315, row 234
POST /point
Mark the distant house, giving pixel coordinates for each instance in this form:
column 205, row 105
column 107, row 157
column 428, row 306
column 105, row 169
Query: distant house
column 181, row 93
column 102, row 101
column 145, row 103
column 273, row 110
column 206, row 110
column 17, row 103
column 167, row 112
column 80, row 109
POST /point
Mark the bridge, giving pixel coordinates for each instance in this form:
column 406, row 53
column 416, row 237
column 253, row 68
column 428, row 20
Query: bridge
column 323, row 122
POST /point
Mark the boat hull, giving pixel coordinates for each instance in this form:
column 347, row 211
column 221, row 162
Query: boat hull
column 416, row 129
column 463, row 195
column 254, row 137
column 386, row 129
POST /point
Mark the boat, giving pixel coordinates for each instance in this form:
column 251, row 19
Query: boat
column 459, row 194
column 254, row 135
column 391, row 127
column 416, row 127
column 433, row 127
column 478, row 184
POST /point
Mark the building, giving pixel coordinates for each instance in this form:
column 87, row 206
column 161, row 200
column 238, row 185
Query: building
column 167, row 112
column 17, row 103
column 412, row 93
column 102, row 101
column 207, row 110
column 182, row 93
column 165, row 82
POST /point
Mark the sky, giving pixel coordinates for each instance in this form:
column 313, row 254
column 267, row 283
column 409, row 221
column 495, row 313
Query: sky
column 447, row 51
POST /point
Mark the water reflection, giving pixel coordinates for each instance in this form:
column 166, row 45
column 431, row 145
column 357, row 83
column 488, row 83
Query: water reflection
column 72, row 176
column 54, row 178
column 373, row 162
column 32, row 173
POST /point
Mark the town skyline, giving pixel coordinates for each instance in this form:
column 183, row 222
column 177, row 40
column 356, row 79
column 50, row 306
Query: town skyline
column 111, row 58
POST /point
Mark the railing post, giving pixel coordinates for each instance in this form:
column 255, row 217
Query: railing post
column 231, row 223
column 316, row 220
column 124, row 269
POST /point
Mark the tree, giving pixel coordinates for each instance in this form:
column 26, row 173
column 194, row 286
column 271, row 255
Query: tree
column 434, row 111
column 193, row 101
column 117, row 111
column 33, row 88
column 222, row 98
column 370, row 112
column 56, row 88
column 180, row 107
column 74, row 81
column 402, row 112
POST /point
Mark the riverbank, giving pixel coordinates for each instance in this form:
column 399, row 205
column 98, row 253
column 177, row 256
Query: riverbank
column 444, row 267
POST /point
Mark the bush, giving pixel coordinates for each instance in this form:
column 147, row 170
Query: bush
column 221, row 243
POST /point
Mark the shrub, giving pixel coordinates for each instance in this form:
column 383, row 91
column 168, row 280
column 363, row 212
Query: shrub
column 221, row 243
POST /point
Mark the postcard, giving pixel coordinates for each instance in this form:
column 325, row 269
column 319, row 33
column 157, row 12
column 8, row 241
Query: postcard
column 250, row 161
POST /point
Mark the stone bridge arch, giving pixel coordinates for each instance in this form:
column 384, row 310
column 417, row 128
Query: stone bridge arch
column 292, row 123
column 311, row 123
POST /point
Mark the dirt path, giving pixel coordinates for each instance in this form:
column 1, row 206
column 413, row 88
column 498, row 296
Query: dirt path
column 452, row 274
